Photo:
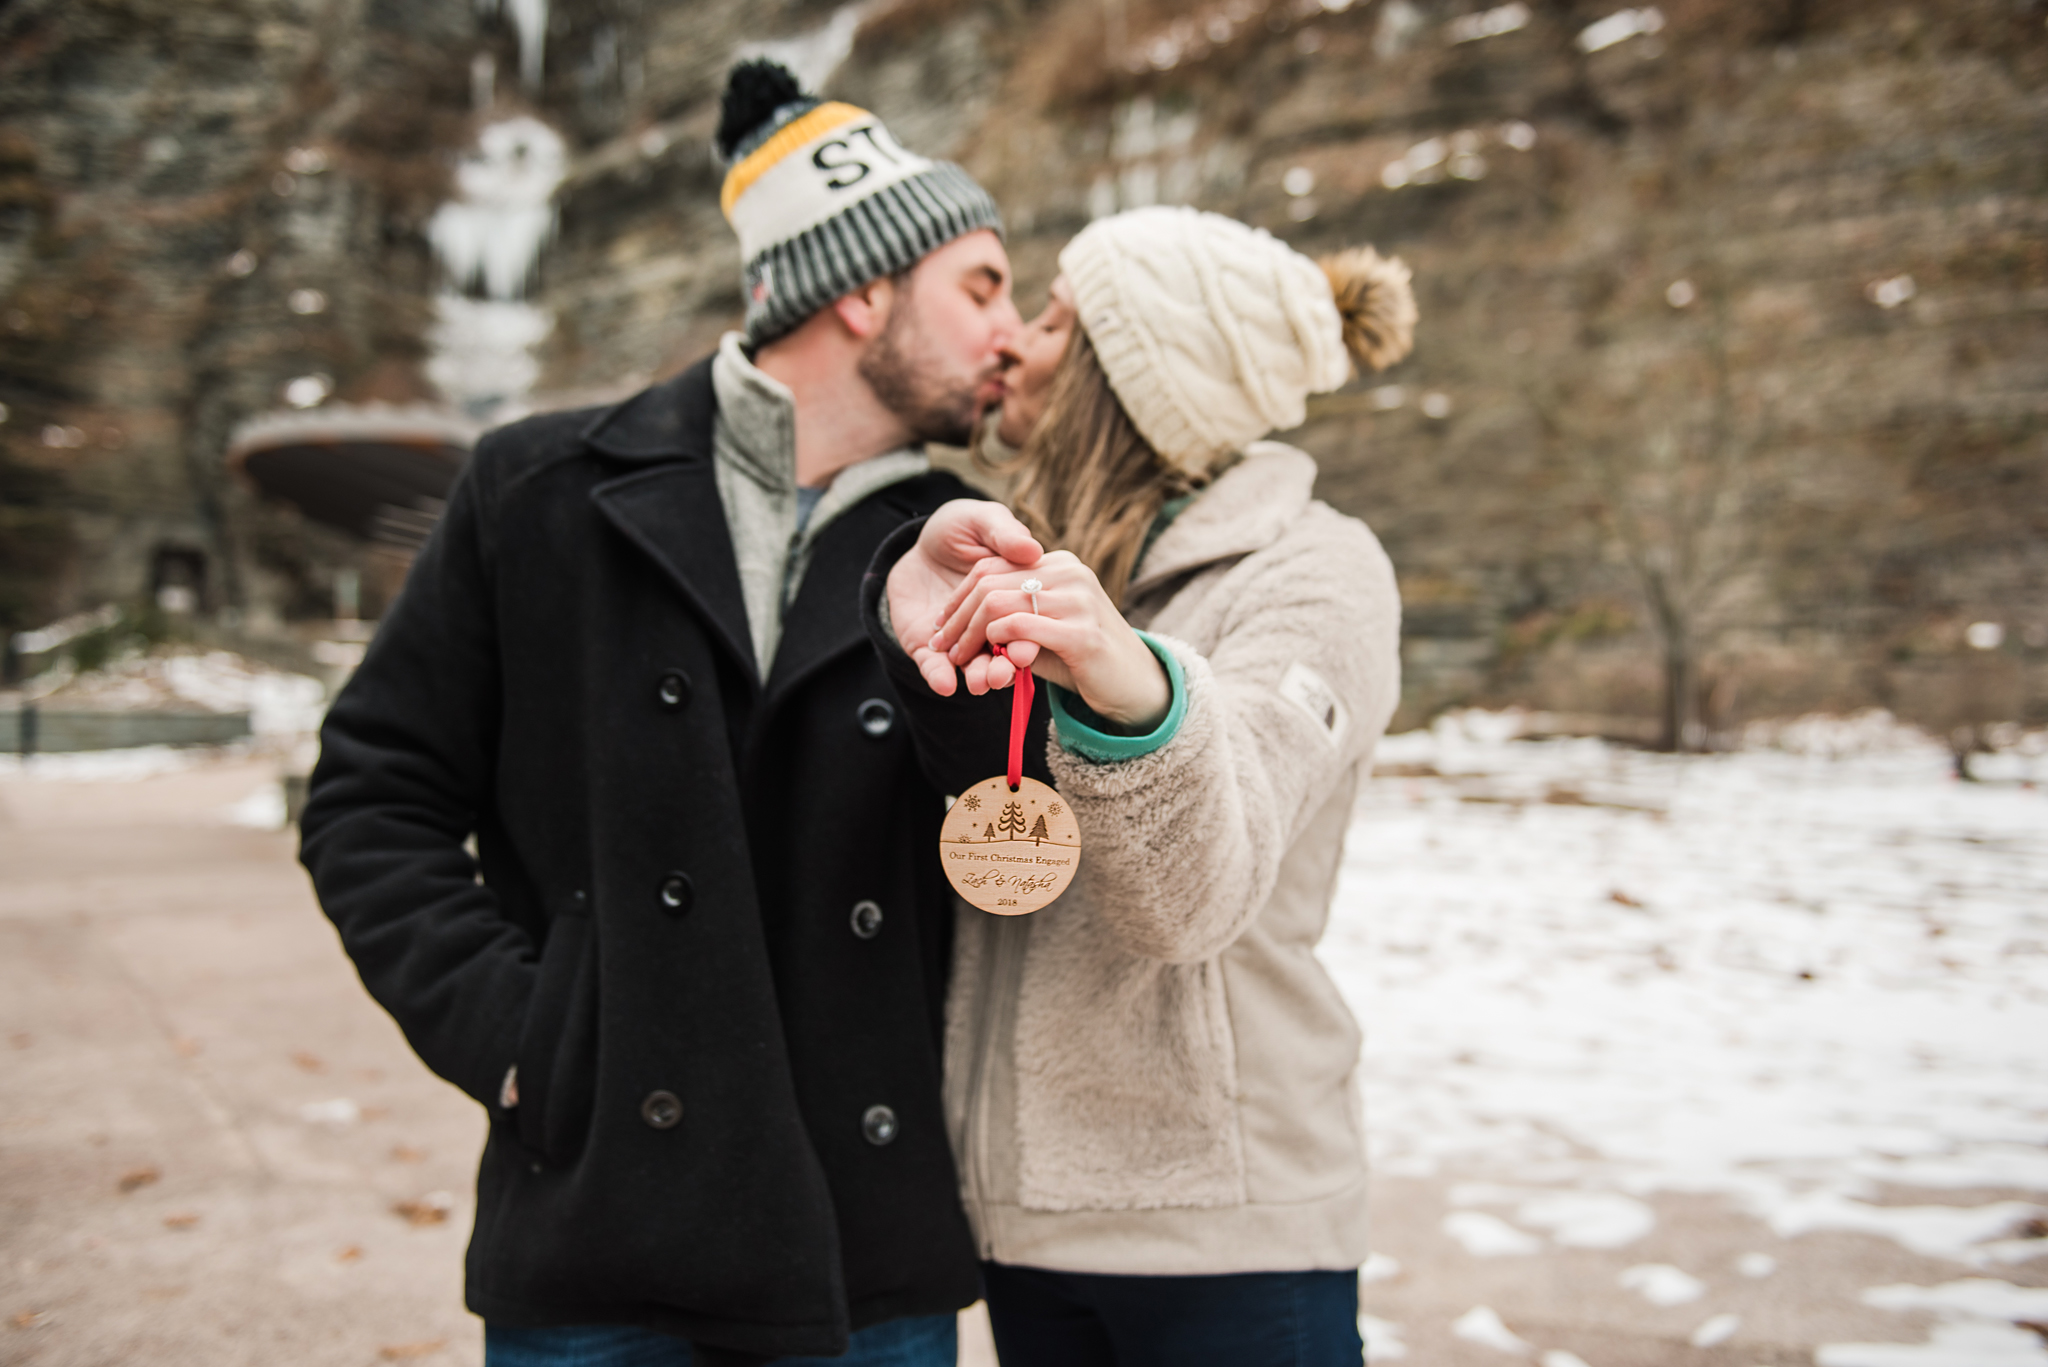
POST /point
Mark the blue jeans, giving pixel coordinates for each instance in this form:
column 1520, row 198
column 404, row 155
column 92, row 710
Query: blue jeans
column 1249, row 1319
column 927, row 1341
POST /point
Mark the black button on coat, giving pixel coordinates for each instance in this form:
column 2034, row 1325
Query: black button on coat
column 700, row 1040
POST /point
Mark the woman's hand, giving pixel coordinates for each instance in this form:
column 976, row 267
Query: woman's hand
column 1072, row 636
column 956, row 538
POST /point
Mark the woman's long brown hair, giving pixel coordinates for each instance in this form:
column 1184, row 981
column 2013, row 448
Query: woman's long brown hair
column 1087, row 482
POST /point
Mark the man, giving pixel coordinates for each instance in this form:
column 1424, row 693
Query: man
column 695, row 970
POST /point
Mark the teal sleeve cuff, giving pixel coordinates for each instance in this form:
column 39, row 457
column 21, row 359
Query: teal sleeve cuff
column 1083, row 732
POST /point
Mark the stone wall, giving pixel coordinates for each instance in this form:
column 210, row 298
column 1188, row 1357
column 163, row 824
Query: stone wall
column 202, row 203
column 1740, row 315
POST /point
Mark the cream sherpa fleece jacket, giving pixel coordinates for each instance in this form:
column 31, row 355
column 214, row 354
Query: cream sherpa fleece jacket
column 1155, row 1074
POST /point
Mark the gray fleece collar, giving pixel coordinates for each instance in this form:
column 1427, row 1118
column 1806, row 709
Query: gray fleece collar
column 761, row 413
column 1246, row 509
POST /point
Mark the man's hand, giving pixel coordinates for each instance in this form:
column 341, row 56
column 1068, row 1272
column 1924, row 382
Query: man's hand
column 959, row 536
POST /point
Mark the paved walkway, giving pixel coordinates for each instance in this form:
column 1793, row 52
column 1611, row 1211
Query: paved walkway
column 215, row 1150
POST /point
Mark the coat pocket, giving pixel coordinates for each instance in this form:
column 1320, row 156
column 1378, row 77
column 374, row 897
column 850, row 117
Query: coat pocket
column 558, row 1046
column 1126, row 1079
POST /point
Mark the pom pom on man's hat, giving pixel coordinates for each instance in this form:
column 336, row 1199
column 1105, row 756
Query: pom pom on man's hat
column 825, row 200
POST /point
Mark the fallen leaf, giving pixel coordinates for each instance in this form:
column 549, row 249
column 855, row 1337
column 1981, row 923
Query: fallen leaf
column 431, row 1209
column 396, row 1352
column 310, row 1062
column 30, row 1319
column 350, row 1254
column 184, row 1219
column 1620, row 898
column 406, row 1153
column 2033, row 1227
column 137, row 1178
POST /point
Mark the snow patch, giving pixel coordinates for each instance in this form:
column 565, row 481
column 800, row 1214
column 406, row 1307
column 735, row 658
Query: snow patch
column 1382, row 1339
column 1662, row 1284
column 262, row 810
column 1488, row 1236
column 103, row 766
column 1931, row 1231
column 338, row 1111
column 1481, row 1325
column 1970, row 1344
column 1589, row 1219
column 1975, row 1296
column 1715, row 1331
column 1575, row 1219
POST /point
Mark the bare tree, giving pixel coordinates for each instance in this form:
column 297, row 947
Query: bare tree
column 1677, row 484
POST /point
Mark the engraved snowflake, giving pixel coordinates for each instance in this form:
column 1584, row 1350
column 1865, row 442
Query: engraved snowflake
column 1054, row 808
column 971, row 802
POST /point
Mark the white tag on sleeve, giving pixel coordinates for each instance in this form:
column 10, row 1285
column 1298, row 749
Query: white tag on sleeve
column 1307, row 690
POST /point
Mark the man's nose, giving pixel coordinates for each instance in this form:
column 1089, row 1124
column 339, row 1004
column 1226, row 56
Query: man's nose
column 1008, row 323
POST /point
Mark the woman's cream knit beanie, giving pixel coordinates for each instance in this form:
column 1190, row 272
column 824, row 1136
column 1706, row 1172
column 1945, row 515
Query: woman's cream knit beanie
column 1213, row 333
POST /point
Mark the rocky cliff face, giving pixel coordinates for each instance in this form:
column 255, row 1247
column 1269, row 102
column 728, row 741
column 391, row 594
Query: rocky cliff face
column 1732, row 349
column 203, row 203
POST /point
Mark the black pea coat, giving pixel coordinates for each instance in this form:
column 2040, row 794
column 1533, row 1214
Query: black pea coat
column 705, row 915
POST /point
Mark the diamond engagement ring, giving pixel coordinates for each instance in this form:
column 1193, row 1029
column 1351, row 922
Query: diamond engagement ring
column 1032, row 586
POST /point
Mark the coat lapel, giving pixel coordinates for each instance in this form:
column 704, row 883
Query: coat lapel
column 670, row 507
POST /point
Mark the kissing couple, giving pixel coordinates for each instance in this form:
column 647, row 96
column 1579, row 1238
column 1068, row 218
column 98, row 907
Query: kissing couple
column 631, row 815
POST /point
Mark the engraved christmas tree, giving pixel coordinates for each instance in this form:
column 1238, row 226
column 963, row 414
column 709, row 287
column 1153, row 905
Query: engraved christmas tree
column 1026, row 818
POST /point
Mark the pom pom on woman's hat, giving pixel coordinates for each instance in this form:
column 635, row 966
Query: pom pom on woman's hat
column 1376, row 300
column 825, row 200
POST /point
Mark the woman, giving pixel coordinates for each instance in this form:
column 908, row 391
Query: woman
column 1152, row 1082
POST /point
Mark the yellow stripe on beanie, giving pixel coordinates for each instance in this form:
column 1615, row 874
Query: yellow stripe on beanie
column 786, row 139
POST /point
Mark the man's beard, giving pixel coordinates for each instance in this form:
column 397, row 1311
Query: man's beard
column 933, row 408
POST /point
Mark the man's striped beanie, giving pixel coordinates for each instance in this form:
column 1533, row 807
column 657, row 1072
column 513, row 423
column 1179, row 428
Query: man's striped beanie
column 825, row 200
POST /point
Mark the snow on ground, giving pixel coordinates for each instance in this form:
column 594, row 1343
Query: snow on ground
column 184, row 680
column 1802, row 977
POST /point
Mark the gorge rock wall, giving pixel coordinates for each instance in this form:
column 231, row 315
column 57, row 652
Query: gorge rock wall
column 1732, row 359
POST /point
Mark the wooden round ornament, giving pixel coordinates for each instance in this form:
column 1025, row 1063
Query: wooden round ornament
column 1010, row 852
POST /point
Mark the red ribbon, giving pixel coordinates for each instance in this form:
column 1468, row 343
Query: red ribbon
column 1020, row 716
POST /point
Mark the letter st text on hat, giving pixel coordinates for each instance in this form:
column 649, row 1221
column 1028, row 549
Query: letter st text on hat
column 844, row 163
